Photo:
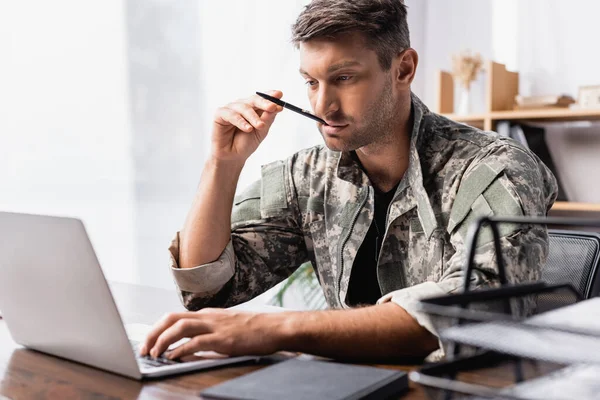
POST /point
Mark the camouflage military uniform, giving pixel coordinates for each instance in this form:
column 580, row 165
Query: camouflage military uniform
column 318, row 205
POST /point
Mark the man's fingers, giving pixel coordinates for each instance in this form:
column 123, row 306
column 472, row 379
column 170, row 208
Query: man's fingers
column 248, row 113
column 184, row 328
column 164, row 323
column 227, row 116
column 199, row 343
column 275, row 93
column 264, row 105
column 261, row 103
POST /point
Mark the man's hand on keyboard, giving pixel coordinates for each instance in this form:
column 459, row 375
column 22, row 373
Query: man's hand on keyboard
column 227, row 332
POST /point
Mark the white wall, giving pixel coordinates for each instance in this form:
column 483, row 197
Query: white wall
column 558, row 54
column 417, row 14
column 64, row 121
column 558, row 49
column 453, row 26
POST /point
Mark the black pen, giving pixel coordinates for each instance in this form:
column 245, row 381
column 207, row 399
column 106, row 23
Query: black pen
column 291, row 107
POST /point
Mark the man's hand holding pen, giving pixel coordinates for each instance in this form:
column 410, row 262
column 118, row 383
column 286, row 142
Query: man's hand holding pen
column 241, row 126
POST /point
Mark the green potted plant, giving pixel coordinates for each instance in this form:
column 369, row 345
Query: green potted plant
column 303, row 287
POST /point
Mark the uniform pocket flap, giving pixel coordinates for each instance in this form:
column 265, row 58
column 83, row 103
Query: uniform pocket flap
column 470, row 189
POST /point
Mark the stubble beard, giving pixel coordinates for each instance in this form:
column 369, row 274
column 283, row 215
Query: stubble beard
column 376, row 129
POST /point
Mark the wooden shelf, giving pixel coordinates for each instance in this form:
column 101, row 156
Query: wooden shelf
column 551, row 115
column 501, row 88
column 476, row 120
column 466, row 118
column 576, row 207
column 488, row 121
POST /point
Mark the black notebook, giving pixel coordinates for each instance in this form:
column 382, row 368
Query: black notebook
column 312, row 380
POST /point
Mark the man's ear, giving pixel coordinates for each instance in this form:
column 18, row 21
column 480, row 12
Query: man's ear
column 405, row 67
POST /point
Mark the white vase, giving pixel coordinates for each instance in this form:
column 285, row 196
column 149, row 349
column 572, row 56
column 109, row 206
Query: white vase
column 464, row 100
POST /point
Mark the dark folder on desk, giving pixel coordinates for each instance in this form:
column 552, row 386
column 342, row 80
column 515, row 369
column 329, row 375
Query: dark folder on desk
column 312, row 380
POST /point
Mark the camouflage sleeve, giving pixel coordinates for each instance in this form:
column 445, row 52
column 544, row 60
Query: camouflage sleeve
column 507, row 181
column 266, row 246
column 203, row 281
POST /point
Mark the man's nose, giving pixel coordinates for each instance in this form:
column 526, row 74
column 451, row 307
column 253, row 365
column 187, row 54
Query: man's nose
column 326, row 103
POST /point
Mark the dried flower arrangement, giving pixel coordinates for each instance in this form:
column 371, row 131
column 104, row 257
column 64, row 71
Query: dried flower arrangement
column 465, row 67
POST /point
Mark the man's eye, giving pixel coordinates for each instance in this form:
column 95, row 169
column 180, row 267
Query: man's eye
column 344, row 78
column 311, row 83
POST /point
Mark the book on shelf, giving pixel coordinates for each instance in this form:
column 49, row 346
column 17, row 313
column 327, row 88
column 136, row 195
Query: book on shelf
column 518, row 134
column 537, row 102
column 503, row 128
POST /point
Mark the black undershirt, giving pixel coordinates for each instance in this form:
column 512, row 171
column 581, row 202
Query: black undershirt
column 363, row 288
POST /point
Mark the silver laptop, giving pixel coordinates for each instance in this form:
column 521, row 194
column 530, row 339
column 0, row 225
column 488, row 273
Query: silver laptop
column 55, row 299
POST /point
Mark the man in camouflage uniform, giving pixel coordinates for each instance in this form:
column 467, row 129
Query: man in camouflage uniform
column 381, row 211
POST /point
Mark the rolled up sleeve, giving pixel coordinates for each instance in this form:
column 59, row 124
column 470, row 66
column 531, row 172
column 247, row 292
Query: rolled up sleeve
column 204, row 280
column 409, row 299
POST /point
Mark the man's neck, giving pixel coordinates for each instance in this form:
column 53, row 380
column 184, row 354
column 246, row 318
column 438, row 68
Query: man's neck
column 386, row 162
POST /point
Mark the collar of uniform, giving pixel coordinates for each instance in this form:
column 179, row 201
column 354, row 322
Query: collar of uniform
column 349, row 170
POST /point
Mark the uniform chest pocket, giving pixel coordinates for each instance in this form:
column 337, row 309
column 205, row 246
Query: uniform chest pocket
column 425, row 254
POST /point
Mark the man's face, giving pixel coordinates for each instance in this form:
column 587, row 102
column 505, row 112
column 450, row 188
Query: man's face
column 349, row 90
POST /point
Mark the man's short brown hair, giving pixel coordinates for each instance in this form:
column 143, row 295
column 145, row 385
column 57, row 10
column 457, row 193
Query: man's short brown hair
column 381, row 22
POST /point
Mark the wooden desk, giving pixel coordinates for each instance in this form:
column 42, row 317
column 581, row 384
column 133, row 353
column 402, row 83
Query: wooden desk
column 25, row 374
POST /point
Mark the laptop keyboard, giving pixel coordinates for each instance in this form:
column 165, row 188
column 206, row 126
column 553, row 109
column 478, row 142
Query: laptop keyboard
column 148, row 361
